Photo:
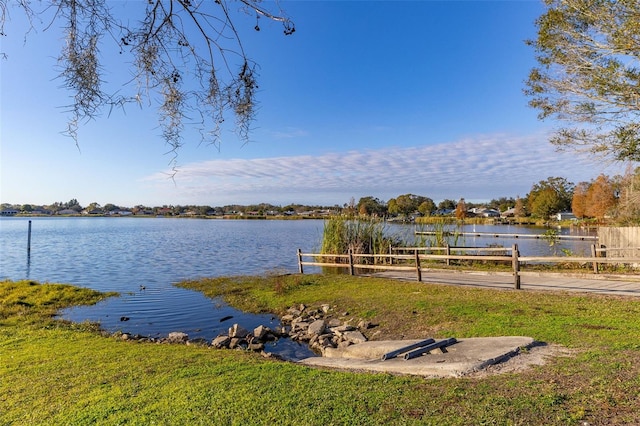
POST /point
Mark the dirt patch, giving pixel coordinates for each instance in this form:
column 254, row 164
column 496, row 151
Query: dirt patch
column 470, row 357
column 538, row 353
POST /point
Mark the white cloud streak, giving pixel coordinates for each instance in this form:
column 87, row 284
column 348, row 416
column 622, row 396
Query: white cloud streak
column 476, row 168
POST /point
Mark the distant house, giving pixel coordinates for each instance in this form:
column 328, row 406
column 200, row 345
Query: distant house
column 566, row 216
column 509, row 212
column 9, row 212
column 443, row 212
column 67, row 211
column 485, row 212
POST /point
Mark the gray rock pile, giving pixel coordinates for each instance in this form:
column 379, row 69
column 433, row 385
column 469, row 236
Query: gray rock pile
column 320, row 329
column 316, row 327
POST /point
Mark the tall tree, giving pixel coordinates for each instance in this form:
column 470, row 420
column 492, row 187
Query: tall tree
column 109, row 207
column 427, row 207
column 406, row 204
column 392, row 206
column 550, row 196
column 544, row 203
column 580, row 199
column 187, row 53
column 73, row 204
column 600, row 197
column 371, row 206
column 628, row 210
column 461, row 209
column 588, row 76
column 93, row 206
column 518, row 209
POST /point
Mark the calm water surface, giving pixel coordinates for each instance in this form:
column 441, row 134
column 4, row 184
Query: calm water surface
column 141, row 258
column 526, row 246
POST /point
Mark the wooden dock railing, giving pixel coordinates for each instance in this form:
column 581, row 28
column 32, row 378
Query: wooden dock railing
column 509, row 235
column 396, row 261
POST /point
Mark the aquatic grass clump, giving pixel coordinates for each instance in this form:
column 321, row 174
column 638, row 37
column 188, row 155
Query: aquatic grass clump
column 427, row 220
column 30, row 301
column 440, row 233
column 358, row 236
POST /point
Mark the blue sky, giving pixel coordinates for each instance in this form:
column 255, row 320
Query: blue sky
column 367, row 98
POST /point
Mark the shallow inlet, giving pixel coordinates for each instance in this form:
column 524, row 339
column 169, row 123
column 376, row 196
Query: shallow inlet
column 157, row 312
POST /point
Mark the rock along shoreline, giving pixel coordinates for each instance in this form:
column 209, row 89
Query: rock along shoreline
column 316, row 327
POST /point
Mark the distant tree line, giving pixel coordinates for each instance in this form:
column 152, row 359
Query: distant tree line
column 616, row 198
column 262, row 209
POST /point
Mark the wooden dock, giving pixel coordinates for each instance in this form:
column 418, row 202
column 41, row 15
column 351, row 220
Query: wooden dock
column 506, row 235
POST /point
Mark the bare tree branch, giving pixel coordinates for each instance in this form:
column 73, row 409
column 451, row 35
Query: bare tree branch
column 187, row 51
column 588, row 76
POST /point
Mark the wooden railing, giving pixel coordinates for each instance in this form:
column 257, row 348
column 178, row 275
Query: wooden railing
column 396, row 261
column 508, row 235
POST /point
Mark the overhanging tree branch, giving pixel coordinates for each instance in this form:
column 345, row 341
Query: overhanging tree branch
column 187, row 51
column 588, row 75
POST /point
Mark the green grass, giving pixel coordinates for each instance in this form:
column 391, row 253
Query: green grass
column 417, row 309
column 53, row 372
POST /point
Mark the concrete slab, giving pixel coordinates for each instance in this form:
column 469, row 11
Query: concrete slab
column 464, row 357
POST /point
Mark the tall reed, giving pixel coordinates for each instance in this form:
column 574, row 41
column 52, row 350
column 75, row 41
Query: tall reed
column 442, row 233
column 360, row 236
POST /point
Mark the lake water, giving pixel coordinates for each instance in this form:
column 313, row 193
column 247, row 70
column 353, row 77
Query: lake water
column 526, row 246
column 141, row 258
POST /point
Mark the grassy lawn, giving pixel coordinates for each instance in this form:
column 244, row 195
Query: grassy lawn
column 56, row 373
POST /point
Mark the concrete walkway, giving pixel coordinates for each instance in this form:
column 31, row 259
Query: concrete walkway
column 471, row 355
column 460, row 359
column 621, row 285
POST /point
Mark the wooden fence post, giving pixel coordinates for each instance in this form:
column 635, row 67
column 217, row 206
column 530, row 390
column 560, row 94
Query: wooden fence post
column 448, row 253
column 516, row 266
column 418, row 270
column 351, row 268
column 300, row 262
column 594, row 254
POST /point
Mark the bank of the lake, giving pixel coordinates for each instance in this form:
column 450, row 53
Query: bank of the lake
column 54, row 373
column 142, row 259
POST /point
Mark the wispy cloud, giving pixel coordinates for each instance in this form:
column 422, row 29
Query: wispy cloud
column 475, row 168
